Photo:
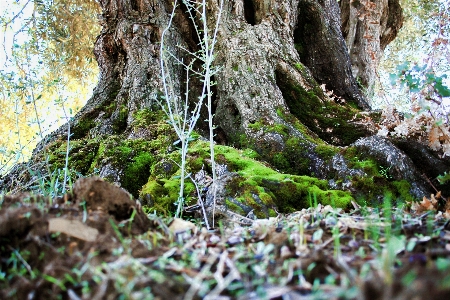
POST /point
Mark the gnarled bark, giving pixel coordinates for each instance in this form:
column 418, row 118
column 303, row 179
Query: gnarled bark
column 273, row 55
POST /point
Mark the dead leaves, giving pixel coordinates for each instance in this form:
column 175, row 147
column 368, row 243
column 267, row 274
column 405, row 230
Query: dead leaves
column 423, row 126
column 432, row 204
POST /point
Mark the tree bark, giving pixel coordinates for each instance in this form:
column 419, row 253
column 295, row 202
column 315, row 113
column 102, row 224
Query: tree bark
column 368, row 27
column 274, row 56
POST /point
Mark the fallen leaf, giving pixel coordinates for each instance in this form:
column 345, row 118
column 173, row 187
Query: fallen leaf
column 73, row 228
column 180, row 225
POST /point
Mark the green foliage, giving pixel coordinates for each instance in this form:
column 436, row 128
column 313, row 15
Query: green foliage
column 48, row 55
column 444, row 178
column 418, row 78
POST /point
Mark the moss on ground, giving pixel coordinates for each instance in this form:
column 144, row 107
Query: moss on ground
column 149, row 169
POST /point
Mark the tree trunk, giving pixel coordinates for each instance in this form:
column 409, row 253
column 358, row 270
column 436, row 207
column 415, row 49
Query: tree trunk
column 285, row 89
column 368, row 27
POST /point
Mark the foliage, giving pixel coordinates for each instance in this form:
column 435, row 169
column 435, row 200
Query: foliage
column 424, row 86
column 47, row 71
column 425, row 26
column 428, row 121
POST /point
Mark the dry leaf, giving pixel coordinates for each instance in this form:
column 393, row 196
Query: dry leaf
column 180, row 225
column 73, row 228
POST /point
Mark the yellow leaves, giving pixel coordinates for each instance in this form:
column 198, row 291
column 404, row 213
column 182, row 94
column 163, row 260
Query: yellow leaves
column 54, row 64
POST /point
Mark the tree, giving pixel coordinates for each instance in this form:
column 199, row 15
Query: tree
column 285, row 89
column 46, row 59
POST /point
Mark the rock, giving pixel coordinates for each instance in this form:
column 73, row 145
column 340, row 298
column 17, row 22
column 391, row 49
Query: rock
column 399, row 164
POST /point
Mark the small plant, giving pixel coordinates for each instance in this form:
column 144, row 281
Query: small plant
column 183, row 117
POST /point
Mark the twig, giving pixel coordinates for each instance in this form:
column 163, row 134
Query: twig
column 23, row 261
column 430, row 183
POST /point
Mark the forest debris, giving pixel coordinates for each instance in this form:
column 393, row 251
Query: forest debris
column 180, row 226
column 73, row 228
column 95, row 194
column 432, row 204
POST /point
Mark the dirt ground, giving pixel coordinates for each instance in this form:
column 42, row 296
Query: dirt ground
column 99, row 244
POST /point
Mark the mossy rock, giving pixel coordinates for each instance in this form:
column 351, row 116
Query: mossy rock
column 377, row 182
column 161, row 195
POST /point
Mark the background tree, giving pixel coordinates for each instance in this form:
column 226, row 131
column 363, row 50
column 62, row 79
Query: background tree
column 47, row 61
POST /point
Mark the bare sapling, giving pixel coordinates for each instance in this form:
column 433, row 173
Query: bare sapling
column 183, row 115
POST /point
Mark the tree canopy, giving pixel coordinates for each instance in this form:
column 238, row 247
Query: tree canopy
column 47, row 62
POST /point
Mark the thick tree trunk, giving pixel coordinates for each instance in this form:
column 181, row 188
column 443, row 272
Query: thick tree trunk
column 275, row 57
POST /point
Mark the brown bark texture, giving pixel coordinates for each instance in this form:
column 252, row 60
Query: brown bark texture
column 368, row 27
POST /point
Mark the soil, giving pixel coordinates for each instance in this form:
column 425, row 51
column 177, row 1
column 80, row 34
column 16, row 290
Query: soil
column 97, row 243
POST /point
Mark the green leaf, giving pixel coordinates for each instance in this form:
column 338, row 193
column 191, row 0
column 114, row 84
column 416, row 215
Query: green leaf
column 393, row 79
column 403, row 67
column 443, row 178
column 443, row 90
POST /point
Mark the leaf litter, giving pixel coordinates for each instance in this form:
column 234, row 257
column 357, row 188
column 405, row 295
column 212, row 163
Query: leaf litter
column 98, row 244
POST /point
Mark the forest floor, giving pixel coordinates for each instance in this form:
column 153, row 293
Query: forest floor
column 95, row 244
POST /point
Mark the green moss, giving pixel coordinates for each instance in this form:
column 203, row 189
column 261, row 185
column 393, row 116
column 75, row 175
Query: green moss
column 234, row 207
column 291, row 159
column 131, row 156
column 403, row 188
column 293, row 153
column 299, row 66
column 250, row 153
column 272, row 213
column 81, row 154
column 372, row 188
column 82, row 127
column 292, row 119
column 137, row 172
column 147, row 117
column 280, row 161
column 257, row 186
column 287, row 192
column 120, row 121
column 256, row 125
column 326, row 151
column 164, row 193
column 279, row 128
column 329, row 120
